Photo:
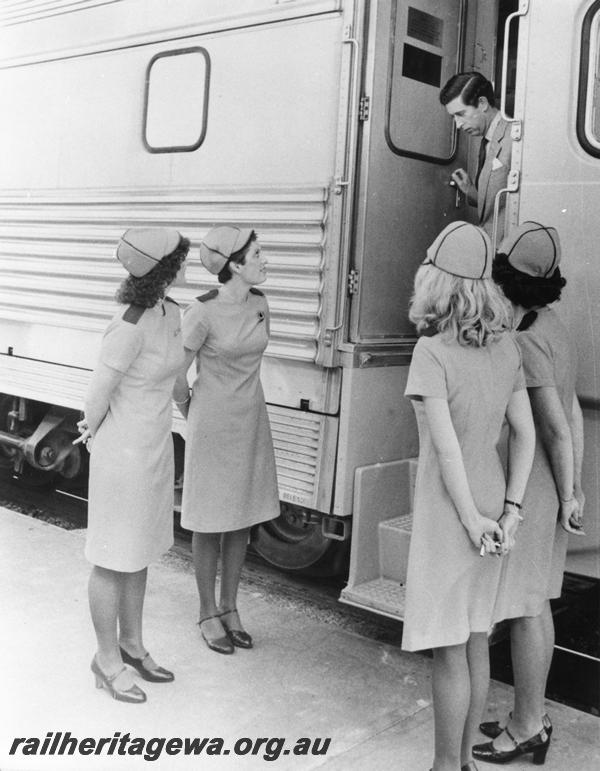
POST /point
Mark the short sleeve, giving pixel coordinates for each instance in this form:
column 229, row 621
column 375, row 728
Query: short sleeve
column 121, row 345
column 538, row 364
column 519, row 383
column 427, row 373
column 195, row 326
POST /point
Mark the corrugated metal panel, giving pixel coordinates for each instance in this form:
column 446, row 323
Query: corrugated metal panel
column 303, row 451
column 20, row 11
column 304, row 442
column 57, row 265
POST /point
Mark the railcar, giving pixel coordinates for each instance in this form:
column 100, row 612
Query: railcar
column 316, row 122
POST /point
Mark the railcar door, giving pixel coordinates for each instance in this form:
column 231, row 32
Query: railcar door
column 409, row 147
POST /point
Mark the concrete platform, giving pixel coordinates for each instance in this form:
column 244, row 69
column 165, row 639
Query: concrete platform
column 304, row 679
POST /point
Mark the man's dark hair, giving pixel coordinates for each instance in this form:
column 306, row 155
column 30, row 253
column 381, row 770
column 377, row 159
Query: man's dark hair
column 523, row 289
column 470, row 86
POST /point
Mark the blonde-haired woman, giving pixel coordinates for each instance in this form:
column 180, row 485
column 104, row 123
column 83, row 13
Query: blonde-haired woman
column 463, row 381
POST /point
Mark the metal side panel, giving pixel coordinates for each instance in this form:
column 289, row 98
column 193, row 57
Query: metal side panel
column 304, row 442
column 30, row 29
column 64, row 273
column 57, row 285
column 304, row 451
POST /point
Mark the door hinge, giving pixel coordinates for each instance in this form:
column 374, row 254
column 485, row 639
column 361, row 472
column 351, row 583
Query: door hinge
column 353, row 282
column 363, row 107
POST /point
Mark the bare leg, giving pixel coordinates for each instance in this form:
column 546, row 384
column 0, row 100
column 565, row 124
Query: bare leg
column 234, row 547
column 131, row 608
column 205, row 551
column 105, row 588
column 451, row 697
column 478, row 659
column 529, row 654
column 548, row 625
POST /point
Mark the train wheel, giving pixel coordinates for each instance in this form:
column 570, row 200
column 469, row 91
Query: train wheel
column 29, row 476
column 292, row 543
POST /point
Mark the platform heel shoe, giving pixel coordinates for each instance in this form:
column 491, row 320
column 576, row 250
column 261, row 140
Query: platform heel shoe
column 133, row 695
column 156, row 675
column 537, row 746
column 493, row 728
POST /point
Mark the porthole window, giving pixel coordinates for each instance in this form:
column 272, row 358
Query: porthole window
column 176, row 101
column 588, row 106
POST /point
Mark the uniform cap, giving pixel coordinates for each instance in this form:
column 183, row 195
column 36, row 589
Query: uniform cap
column 463, row 250
column 220, row 243
column 533, row 249
column 141, row 249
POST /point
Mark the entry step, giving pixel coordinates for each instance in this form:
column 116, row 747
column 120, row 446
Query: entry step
column 381, row 594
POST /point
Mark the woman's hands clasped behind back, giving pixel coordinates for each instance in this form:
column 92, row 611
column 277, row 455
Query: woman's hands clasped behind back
column 86, row 434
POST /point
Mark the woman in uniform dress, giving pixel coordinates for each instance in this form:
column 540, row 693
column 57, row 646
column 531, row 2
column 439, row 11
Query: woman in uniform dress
column 463, row 381
column 526, row 268
column 127, row 429
column 230, row 481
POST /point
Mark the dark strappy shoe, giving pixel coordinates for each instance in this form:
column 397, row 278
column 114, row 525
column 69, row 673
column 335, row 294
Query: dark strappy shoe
column 493, row 728
column 238, row 637
column 133, row 695
column 156, row 675
column 537, row 745
column 219, row 644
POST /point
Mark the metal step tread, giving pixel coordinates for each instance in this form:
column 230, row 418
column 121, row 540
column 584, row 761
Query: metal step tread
column 399, row 523
column 381, row 594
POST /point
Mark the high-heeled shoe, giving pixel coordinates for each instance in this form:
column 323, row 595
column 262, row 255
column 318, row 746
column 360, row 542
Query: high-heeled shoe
column 537, row 745
column 238, row 637
column 157, row 675
column 492, row 728
column 219, row 644
column 133, row 695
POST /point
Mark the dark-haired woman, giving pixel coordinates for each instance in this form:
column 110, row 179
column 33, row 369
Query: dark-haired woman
column 230, row 481
column 526, row 268
column 127, row 428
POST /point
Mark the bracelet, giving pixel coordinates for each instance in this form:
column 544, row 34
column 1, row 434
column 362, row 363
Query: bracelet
column 513, row 503
column 567, row 500
column 184, row 401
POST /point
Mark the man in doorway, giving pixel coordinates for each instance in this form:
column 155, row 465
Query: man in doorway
column 469, row 100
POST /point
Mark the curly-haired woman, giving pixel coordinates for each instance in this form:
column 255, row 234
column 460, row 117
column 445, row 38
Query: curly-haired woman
column 526, row 268
column 463, row 381
column 127, row 428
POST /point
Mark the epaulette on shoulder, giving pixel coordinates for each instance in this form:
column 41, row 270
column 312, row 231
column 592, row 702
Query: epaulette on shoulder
column 254, row 290
column 208, row 296
column 171, row 300
column 133, row 314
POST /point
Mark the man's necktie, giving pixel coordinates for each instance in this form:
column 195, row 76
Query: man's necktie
column 481, row 161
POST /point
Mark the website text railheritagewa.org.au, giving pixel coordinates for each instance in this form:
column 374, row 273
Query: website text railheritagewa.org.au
column 63, row 743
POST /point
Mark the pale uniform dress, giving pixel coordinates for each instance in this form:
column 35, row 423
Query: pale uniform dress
column 130, row 511
column 533, row 571
column 230, row 480
column 451, row 590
